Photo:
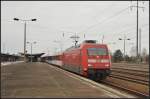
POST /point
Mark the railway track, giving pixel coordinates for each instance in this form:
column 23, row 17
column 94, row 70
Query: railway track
column 131, row 66
column 132, row 91
column 134, row 80
column 145, row 82
column 133, row 77
column 131, row 72
column 131, row 69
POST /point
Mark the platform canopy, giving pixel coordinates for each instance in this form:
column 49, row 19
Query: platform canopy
column 45, row 55
column 35, row 55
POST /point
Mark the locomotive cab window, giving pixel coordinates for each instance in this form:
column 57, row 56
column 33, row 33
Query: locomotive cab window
column 97, row 51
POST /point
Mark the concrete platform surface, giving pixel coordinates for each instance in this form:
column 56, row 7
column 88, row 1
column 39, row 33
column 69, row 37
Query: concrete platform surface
column 43, row 80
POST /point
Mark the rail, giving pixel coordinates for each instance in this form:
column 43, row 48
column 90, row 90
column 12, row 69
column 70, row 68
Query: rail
column 140, row 94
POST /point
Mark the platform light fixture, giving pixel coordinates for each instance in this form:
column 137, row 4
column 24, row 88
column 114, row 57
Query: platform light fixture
column 17, row 19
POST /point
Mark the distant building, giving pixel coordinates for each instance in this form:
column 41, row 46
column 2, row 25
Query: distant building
column 35, row 57
column 7, row 57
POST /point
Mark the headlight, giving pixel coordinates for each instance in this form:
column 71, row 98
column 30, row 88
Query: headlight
column 92, row 60
column 89, row 65
column 106, row 65
column 105, row 60
column 85, row 69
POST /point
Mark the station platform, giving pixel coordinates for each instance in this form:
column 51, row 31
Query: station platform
column 38, row 80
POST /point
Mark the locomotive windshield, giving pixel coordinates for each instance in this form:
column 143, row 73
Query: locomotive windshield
column 97, row 51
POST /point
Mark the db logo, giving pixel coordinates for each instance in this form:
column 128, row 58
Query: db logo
column 97, row 56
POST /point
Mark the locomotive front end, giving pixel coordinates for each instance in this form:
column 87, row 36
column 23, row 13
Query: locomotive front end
column 98, row 62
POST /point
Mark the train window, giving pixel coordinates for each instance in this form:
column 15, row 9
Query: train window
column 97, row 51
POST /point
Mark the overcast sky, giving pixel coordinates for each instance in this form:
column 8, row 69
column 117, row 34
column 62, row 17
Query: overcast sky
column 95, row 19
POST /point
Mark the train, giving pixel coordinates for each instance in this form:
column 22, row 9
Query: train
column 88, row 59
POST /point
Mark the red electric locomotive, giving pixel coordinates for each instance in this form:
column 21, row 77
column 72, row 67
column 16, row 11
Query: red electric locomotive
column 88, row 59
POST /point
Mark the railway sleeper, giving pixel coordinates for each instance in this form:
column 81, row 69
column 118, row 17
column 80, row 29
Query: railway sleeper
column 142, row 74
column 129, row 79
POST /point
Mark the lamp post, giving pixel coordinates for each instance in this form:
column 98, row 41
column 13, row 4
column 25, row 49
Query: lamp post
column 124, row 43
column 17, row 19
column 31, row 48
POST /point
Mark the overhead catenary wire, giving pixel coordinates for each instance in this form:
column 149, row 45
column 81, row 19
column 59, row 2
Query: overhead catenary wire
column 125, row 30
column 111, row 17
column 106, row 19
column 130, row 28
column 144, row 25
column 46, row 27
column 108, row 7
column 121, row 33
